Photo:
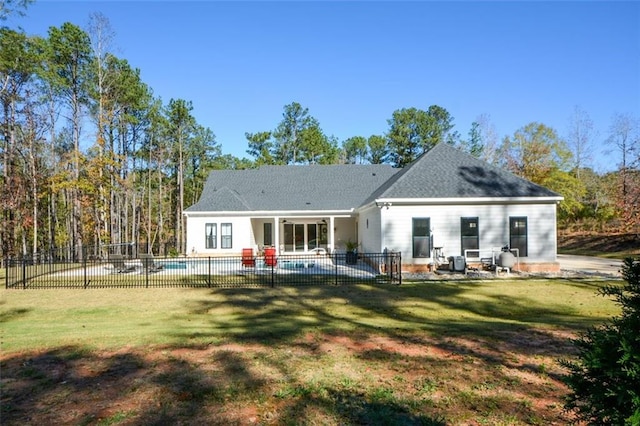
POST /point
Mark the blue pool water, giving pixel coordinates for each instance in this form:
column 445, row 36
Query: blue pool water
column 175, row 265
column 224, row 264
column 296, row 264
column 221, row 263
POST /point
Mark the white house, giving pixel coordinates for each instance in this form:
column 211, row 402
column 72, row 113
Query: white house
column 446, row 202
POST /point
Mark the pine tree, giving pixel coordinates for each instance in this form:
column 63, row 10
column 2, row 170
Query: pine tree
column 605, row 378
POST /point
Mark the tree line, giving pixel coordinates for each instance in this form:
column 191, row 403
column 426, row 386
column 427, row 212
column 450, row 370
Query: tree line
column 598, row 201
column 91, row 158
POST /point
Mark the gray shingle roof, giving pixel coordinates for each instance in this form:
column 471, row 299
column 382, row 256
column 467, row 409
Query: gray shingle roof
column 447, row 172
column 443, row 172
column 283, row 188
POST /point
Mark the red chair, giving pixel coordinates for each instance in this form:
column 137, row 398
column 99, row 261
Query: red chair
column 270, row 257
column 248, row 259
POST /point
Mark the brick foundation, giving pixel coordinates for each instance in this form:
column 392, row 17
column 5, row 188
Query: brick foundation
column 523, row 267
column 416, row 269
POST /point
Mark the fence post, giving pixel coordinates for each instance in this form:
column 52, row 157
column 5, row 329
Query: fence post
column 146, row 271
column 84, row 265
column 209, row 273
column 273, row 282
column 24, row 274
column 335, row 262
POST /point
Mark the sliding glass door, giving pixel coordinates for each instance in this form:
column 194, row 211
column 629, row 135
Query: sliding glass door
column 293, row 237
column 300, row 237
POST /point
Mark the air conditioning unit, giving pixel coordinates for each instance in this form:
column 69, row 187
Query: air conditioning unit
column 457, row 263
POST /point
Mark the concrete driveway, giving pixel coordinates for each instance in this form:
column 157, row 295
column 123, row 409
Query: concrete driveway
column 590, row 265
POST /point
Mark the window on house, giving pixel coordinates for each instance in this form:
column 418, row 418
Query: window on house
column 298, row 232
column 225, row 236
column 211, row 235
column 518, row 234
column 323, row 229
column 312, row 236
column 268, row 234
column 288, row 236
column 421, row 237
column 470, row 236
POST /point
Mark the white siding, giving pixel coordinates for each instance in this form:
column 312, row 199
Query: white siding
column 369, row 230
column 493, row 224
column 258, row 231
column 345, row 230
column 242, row 235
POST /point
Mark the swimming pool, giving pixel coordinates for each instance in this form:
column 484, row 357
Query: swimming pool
column 296, row 264
column 176, row 264
column 220, row 263
column 231, row 264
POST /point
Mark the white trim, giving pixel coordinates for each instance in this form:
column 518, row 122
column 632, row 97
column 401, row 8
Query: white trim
column 469, row 200
column 270, row 214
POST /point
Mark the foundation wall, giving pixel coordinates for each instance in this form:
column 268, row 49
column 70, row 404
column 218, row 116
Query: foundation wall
column 522, row 267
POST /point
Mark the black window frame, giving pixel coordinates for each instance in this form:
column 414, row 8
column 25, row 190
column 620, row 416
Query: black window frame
column 470, row 241
column 517, row 238
column 418, row 240
column 210, row 238
column 226, row 240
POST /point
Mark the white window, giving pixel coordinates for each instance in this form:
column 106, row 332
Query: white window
column 211, row 235
column 226, row 234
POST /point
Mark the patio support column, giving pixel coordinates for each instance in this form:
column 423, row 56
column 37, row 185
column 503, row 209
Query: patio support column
column 331, row 234
column 276, row 234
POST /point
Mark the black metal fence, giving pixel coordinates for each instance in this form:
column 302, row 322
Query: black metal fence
column 233, row 271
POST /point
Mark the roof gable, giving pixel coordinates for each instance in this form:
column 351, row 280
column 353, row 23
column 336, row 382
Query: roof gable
column 292, row 188
column 446, row 172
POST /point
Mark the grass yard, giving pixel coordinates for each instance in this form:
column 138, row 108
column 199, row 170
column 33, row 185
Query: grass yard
column 434, row 353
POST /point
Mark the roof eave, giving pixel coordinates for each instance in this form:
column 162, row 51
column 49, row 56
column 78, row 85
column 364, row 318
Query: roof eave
column 270, row 213
column 469, row 200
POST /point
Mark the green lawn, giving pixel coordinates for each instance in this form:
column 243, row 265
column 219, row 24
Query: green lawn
column 421, row 353
column 109, row 318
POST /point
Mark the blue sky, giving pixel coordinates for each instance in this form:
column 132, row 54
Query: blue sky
column 353, row 63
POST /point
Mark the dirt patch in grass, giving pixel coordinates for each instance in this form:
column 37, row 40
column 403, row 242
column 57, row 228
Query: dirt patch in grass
column 510, row 378
column 595, row 244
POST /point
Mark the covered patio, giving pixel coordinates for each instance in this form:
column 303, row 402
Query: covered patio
column 293, row 235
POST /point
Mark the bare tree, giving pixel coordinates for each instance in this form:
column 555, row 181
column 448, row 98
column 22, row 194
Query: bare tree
column 489, row 139
column 624, row 136
column 13, row 7
column 579, row 139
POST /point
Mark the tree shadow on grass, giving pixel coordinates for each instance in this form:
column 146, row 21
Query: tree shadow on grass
column 8, row 315
column 356, row 408
column 499, row 333
column 72, row 385
column 278, row 315
column 266, row 363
